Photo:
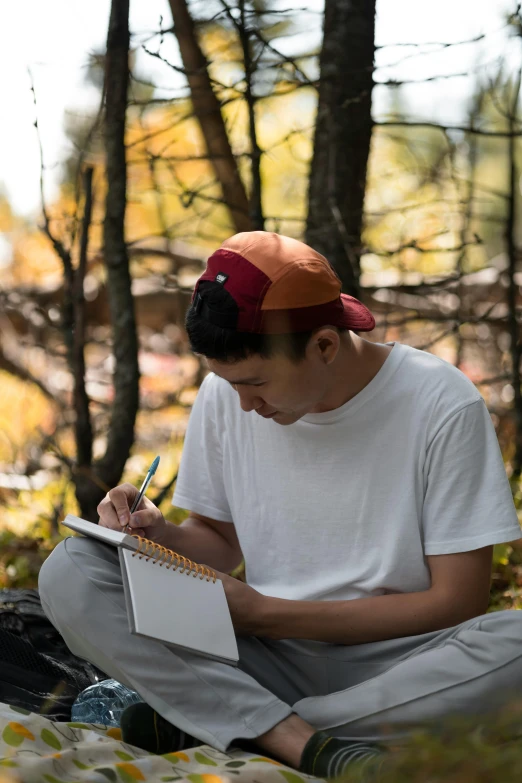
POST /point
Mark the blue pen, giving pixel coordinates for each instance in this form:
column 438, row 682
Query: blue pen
column 148, row 478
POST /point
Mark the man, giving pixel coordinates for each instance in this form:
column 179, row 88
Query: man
column 362, row 484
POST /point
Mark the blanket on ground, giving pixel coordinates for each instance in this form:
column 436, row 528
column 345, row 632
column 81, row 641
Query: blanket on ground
column 34, row 749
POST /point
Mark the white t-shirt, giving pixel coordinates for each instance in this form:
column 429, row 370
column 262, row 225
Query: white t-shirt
column 346, row 504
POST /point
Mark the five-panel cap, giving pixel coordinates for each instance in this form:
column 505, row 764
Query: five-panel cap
column 280, row 285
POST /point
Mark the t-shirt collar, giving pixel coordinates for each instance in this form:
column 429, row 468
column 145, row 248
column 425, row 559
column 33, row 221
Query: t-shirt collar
column 382, row 377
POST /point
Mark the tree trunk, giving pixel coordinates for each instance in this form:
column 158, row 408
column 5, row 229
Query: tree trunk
column 108, row 471
column 342, row 137
column 256, row 200
column 208, row 113
column 82, row 427
column 512, row 254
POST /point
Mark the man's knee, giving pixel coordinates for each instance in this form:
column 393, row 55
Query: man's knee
column 50, row 578
column 65, row 575
column 505, row 625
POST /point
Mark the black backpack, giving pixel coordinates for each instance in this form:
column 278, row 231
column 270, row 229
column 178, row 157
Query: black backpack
column 37, row 670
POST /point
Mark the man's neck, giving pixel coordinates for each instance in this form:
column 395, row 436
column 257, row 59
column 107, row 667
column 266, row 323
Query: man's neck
column 358, row 363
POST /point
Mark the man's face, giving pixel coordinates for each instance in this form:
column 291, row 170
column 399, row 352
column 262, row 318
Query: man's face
column 277, row 388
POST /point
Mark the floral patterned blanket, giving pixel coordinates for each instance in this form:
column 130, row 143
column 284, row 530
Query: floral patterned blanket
column 34, row 749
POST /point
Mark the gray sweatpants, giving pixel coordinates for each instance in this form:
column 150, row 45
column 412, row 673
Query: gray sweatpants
column 367, row 691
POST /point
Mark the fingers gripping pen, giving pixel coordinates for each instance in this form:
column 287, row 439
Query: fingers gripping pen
column 148, row 478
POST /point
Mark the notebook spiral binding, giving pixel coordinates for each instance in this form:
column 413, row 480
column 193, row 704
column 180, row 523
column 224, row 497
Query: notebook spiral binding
column 163, row 556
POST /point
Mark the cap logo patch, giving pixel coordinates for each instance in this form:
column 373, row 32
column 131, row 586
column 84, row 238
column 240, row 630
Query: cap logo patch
column 221, row 277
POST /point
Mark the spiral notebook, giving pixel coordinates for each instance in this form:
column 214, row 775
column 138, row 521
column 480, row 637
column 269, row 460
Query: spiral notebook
column 168, row 597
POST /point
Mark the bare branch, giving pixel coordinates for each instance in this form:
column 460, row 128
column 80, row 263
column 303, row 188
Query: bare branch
column 165, row 491
column 437, row 126
column 13, row 367
column 413, row 245
column 83, row 428
column 60, row 249
column 255, row 201
column 424, row 80
column 208, row 111
column 440, row 44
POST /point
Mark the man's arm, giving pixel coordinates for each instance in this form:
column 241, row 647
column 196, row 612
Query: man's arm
column 459, row 591
column 199, row 538
column 205, row 541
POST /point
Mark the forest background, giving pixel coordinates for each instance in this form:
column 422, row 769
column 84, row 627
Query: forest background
column 394, row 152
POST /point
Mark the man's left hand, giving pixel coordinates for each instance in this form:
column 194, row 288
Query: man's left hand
column 246, row 606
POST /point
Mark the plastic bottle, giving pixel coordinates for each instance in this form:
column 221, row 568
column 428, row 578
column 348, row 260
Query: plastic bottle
column 103, row 703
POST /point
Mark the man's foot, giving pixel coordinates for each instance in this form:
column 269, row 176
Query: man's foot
column 145, row 728
column 329, row 757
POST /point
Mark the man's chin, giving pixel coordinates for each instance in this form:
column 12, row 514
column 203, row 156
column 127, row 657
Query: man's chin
column 287, row 418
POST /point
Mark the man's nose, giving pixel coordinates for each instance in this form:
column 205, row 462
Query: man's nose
column 248, row 400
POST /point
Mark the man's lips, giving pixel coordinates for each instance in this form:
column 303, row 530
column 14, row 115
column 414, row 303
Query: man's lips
column 267, row 415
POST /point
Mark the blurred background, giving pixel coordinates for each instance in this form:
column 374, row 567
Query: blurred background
column 387, row 135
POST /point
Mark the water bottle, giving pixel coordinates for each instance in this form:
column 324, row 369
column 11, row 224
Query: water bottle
column 103, row 703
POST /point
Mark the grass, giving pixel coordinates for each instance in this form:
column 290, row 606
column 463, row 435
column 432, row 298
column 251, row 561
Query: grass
column 458, row 752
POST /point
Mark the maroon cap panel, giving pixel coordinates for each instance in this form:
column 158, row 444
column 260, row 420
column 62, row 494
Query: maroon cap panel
column 246, row 284
column 345, row 312
column 356, row 314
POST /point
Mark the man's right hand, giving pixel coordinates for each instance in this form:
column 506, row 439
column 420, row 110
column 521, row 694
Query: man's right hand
column 146, row 521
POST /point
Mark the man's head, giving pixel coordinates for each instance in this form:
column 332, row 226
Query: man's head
column 269, row 315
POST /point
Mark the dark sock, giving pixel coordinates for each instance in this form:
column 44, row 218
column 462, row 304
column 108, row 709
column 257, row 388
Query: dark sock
column 329, row 757
column 145, row 728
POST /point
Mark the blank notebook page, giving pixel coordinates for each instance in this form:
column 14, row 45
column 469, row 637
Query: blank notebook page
column 178, row 608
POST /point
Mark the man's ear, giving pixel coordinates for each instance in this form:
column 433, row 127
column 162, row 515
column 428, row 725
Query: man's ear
column 327, row 342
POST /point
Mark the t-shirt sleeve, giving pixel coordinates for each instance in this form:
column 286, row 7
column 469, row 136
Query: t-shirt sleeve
column 467, row 502
column 200, row 486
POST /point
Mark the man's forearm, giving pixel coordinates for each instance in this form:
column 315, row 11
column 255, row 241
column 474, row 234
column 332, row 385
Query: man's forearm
column 200, row 543
column 361, row 620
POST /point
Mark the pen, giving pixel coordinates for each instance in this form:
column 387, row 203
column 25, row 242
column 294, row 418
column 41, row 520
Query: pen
column 148, row 478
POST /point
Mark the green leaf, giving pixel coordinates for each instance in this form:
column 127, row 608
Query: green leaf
column 51, row 739
column 80, row 765
column 124, row 756
column 20, row 710
column 167, row 778
column 125, row 775
column 107, row 772
column 201, row 759
column 291, row 777
column 195, row 778
column 8, row 763
column 235, row 764
column 11, row 737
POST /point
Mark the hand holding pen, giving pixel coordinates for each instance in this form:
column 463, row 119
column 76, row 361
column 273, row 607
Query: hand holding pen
column 148, row 478
column 124, row 510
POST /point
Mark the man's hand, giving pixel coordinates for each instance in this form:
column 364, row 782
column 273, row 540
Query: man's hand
column 246, row 606
column 146, row 521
